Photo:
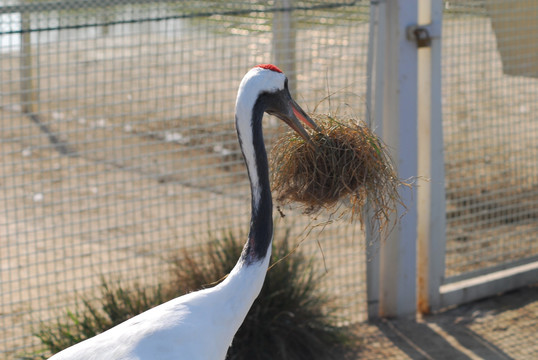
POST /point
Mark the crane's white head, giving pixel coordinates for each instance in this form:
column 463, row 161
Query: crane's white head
column 267, row 87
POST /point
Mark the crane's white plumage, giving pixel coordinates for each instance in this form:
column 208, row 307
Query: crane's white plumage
column 202, row 324
column 199, row 325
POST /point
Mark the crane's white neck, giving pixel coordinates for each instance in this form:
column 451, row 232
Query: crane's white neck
column 249, row 111
column 244, row 283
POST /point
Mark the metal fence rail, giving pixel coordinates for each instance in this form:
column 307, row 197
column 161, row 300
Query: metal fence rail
column 118, row 145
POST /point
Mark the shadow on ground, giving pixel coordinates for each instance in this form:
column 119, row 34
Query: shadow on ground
column 501, row 327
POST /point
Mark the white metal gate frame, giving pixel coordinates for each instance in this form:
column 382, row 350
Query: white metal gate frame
column 405, row 273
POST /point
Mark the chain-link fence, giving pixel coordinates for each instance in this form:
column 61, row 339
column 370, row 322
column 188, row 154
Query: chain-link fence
column 490, row 102
column 118, row 145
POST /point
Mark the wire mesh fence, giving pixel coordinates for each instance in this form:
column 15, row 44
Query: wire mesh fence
column 490, row 89
column 118, row 145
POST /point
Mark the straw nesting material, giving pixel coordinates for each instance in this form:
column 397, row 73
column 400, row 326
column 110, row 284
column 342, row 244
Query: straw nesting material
column 345, row 161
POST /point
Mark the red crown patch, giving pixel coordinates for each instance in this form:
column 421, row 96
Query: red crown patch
column 269, row 67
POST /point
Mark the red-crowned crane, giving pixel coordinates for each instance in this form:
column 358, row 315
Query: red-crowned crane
column 202, row 324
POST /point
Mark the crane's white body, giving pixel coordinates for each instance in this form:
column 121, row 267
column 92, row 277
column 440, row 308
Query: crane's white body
column 201, row 325
column 197, row 326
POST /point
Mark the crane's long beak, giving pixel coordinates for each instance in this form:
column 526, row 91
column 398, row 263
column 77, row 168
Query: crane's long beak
column 294, row 120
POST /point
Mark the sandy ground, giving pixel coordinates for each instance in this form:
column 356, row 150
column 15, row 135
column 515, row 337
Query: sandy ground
column 153, row 166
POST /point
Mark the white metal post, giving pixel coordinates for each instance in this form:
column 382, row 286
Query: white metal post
column 376, row 48
column 395, row 119
column 431, row 185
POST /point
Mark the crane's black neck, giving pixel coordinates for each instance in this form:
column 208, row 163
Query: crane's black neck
column 261, row 223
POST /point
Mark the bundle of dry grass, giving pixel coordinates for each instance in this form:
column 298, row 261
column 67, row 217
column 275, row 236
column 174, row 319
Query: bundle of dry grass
column 346, row 161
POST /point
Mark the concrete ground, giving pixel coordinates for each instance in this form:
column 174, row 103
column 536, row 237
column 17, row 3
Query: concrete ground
column 501, row 327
